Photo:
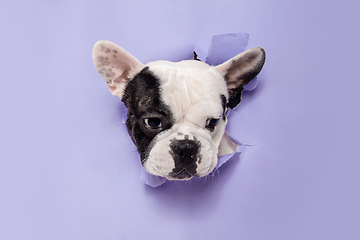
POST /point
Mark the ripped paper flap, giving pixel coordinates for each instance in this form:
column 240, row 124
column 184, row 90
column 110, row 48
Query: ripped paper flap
column 226, row 46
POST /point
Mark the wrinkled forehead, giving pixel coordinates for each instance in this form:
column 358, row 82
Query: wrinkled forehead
column 190, row 86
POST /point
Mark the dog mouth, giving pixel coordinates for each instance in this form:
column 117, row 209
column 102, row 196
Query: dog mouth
column 182, row 175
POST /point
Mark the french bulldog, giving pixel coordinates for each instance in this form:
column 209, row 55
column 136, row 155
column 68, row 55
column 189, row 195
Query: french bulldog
column 176, row 111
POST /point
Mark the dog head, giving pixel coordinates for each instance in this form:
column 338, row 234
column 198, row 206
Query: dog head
column 176, row 111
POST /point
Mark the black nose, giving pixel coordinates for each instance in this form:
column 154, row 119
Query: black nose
column 185, row 151
column 185, row 154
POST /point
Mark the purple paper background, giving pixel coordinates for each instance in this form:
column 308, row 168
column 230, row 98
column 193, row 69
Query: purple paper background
column 66, row 169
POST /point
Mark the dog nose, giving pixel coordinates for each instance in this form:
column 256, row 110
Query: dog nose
column 185, row 155
column 186, row 150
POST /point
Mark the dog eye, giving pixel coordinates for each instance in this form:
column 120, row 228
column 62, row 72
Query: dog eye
column 152, row 123
column 211, row 122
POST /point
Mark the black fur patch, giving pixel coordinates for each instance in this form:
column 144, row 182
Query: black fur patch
column 142, row 98
column 223, row 104
column 236, row 99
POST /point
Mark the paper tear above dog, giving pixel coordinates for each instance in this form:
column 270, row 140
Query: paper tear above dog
column 177, row 112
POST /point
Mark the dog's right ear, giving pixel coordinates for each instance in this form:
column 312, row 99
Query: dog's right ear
column 240, row 70
column 115, row 65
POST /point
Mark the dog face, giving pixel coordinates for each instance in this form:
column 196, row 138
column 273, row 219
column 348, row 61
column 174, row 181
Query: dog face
column 176, row 111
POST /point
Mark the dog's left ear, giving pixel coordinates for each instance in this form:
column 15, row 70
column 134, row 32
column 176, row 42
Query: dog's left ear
column 115, row 65
column 240, row 70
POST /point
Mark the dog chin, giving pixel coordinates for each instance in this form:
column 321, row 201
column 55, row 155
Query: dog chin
column 179, row 178
column 182, row 175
